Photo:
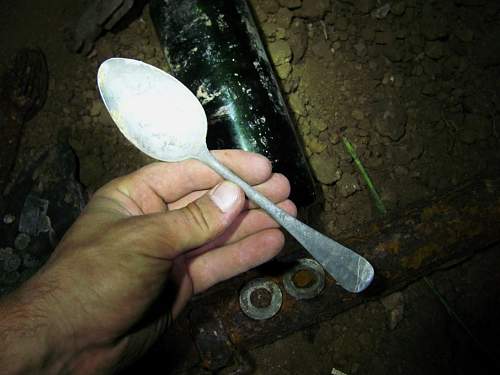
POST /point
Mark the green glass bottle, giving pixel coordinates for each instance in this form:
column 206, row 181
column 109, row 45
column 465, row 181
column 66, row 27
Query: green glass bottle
column 214, row 48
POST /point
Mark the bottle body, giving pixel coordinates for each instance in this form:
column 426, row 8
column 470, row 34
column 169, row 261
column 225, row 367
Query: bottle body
column 214, row 48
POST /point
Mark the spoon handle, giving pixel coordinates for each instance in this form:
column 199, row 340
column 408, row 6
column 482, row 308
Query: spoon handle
column 353, row 272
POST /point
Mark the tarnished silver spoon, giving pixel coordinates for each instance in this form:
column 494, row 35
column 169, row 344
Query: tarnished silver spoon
column 163, row 119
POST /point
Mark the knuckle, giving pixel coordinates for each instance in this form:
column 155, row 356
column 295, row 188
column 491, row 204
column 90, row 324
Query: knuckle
column 195, row 215
column 284, row 183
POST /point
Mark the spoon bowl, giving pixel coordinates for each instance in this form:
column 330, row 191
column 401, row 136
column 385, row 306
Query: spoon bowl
column 154, row 111
column 163, row 119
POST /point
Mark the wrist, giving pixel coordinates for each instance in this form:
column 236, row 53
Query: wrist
column 37, row 338
column 26, row 335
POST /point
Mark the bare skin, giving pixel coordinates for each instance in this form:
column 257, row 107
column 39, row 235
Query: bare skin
column 99, row 302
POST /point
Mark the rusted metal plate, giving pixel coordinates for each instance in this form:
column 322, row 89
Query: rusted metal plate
column 401, row 248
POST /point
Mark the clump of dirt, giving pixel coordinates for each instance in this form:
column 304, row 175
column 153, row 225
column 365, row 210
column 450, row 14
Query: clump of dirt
column 408, row 84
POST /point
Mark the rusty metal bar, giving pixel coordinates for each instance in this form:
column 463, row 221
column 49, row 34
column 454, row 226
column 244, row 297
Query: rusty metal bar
column 402, row 248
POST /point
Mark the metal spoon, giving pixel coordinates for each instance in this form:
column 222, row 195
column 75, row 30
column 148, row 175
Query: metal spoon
column 163, row 119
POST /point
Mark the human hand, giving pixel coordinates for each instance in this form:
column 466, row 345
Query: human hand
column 101, row 294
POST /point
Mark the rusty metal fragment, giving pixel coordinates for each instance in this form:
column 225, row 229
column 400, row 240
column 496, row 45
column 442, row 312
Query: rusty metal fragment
column 99, row 16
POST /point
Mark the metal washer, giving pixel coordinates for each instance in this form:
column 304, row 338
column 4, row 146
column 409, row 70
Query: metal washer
column 261, row 313
column 305, row 264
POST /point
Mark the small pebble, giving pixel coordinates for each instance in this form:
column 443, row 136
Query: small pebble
column 5, row 252
column 9, row 219
column 22, row 241
column 12, row 263
column 357, row 115
column 29, row 261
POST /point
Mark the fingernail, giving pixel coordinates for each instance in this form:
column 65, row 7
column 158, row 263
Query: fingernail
column 225, row 195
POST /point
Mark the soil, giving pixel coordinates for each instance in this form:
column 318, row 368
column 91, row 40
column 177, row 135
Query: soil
column 412, row 84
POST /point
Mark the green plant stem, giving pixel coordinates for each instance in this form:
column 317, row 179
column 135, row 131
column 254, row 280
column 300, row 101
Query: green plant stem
column 371, row 187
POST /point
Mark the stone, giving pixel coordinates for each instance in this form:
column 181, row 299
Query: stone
column 393, row 52
column 89, row 94
column 381, row 12
column 22, row 241
column 431, row 68
column 391, row 121
column 5, row 252
column 364, row 6
column 429, row 89
column 357, row 114
column 284, row 70
column 433, row 23
column 313, row 8
column 280, row 33
column 384, row 37
column 11, row 278
column 394, row 305
column 318, row 125
column 304, row 126
column 348, row 185
column 269, row 6
column 297, row 39
column 325, row 168
column 475, row 128
column 334, row 138
column 392, row 301
column 487, row 48
column 398, row 80
column 400, row 170
column 321, row 49
column 329, row 20
column 91, row 170
column 336, row 46
column 280, row 52
column 342, row 23
column 464, row 34
column 315, row 145
column 296, row 104
column 96, row 108
column 368, row 34
column 401, row 33
column 9, row 219
column 418, row 70
column 365, row 124
column 11, row 262
column 269, row 29
column 86, row 120
column 360, row 48
column 283, row 17
column 291, row 4
column 434, row 49
column 398, row 8
column 340, row 151
column 472, row 3
column 291, row 85
column 29, row 261
column 365, row 340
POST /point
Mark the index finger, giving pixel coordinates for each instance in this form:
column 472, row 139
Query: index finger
column 172, row 181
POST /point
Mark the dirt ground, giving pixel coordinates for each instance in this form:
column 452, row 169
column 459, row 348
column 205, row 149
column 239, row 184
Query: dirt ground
column 413, row 84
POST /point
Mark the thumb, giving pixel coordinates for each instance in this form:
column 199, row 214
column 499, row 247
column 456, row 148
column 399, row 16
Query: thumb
column 200, row 221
